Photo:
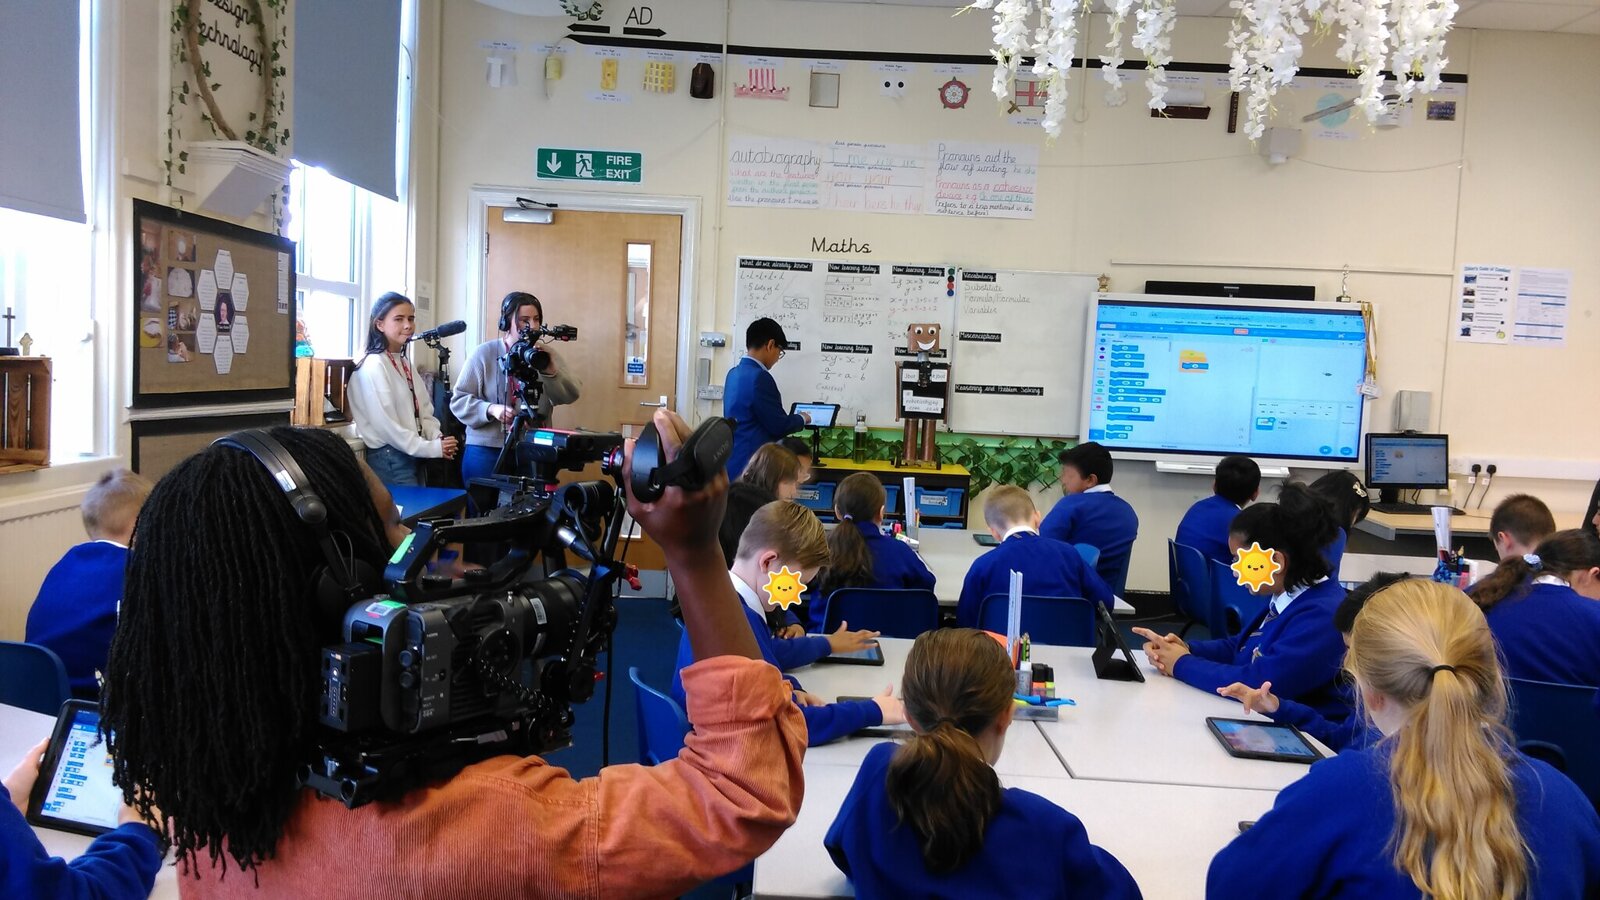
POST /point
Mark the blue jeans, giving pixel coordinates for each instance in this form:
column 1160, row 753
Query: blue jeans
column 393, row 467
column 477, row 461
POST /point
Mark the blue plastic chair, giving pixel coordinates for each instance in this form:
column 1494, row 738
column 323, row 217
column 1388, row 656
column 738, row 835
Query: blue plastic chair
column 896, row 612
column 32, row 677
column 1058, row 621
column 1560, row 724
column 1090, row 554
column 1235, row 606
column 1191, row 589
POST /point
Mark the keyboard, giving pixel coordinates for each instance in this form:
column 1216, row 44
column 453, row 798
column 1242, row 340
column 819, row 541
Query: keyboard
column 1417, row 509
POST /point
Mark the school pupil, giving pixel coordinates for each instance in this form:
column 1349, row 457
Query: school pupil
column 750, row 396
column 1205, row 526
column 787, row 535
column 1347, row 497
column 859, row 553
column 1444, row 805
column 1089, row 513
column 1352, row 731
column 393, row 410
column 1543, row 612
column 75, row 613
column 928, row 818
column 802, row 452
column 775, row 470
column 1518, row 524
column 1049, row 567
column 744, row 498
column 1293, row 642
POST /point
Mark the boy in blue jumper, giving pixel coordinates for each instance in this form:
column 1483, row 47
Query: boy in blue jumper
column 1293, row 643
column 1205, row 526
column 787, row 535
column 1090, row 514
column 1049, row 568
column 76, row 610
column 1542, row 609
column 860, row 554
column 750, row 396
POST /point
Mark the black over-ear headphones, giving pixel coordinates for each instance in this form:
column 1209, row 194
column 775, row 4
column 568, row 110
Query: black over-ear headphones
column 700, row 458
column 513, row 302
column 338, row 583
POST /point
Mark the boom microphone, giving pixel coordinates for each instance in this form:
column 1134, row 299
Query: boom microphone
column 443, row 331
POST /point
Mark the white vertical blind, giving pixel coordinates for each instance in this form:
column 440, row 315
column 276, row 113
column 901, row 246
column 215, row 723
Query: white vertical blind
column 40, row 163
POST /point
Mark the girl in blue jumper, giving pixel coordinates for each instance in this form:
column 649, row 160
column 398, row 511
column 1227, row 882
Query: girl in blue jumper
column 1293, row 643
column 1347, row 497
column 1541, row 608
column 861, row 556
column 930, row 819
column 1443, row 806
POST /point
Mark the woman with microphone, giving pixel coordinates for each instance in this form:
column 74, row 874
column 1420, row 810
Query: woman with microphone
column 392, row 411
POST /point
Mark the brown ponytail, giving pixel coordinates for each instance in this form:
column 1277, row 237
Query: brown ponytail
column 1560, row 554
column 957, row 682
column 858, row 498
column 1428, row 648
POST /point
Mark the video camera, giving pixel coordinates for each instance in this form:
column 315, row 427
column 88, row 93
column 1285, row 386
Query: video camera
column 436, row 673
column 526, row 359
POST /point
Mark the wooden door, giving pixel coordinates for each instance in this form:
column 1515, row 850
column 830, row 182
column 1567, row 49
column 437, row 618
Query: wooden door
column 615, row 277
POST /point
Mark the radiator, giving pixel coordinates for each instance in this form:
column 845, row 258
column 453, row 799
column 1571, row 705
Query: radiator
column 33, row 534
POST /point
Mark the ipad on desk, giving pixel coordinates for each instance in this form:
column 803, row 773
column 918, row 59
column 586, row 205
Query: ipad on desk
column 74, row 790
column 871, row 656
column 822, row 414
column 984, row 539
column 1108, row 643
column 1254, row 739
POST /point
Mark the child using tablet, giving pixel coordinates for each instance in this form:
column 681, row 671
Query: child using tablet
column 786, row 535
column 1444, row 805
column 1543, row 612
column 773, row 469
column 1090, row 513
column 1293, row 643
column 859, row 553
column 1205, row 526
column 928, row 818
column 1049, row 567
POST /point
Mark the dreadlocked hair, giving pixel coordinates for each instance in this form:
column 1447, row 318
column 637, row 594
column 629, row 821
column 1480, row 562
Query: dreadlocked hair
column 213, row 676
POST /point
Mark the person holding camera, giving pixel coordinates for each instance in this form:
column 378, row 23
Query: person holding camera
column 393, row 413
column 213, row 712
column 485, row 397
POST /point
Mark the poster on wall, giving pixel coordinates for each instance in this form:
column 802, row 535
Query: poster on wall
column 1543, row 297
column 1483, row 304
column 198, row 338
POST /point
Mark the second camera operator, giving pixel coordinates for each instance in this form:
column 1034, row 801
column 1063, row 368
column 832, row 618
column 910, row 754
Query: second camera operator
column 484, row 398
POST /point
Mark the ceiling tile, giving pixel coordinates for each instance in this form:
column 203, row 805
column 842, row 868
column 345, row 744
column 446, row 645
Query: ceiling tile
column 1513, row 15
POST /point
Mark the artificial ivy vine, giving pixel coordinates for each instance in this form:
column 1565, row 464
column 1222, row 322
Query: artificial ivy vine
column 1022, row 461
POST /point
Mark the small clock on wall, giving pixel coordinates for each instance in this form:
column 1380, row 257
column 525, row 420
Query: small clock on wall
column 953, row 94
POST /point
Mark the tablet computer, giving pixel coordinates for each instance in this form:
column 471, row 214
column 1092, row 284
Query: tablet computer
column 74, row 790
column 822, row 414
column 1254, row 739
column 985, row 539
column 1108, row 642
column 871, row 656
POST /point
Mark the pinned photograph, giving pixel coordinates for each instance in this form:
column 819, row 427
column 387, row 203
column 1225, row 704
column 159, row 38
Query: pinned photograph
column 660, row 77
column 761, row 83
column 180, row 283
column 182, row 246
column 180, row 348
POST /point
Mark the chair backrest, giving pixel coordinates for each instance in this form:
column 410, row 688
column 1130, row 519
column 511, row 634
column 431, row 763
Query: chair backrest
column 1193, row 588
column 1234, row 602
column 32, row 677
column 897, row 612
column 661, row 721
column 1090, row 554
column 1058, row 621
column 1560, row 724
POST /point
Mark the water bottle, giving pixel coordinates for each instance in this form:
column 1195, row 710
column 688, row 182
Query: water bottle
column 858, row 452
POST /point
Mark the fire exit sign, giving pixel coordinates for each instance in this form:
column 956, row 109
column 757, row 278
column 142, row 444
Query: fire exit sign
column 619, row 167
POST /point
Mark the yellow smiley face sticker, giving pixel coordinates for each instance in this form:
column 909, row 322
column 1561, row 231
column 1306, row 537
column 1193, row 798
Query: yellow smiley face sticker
column 1256, row 568
column 783, row 588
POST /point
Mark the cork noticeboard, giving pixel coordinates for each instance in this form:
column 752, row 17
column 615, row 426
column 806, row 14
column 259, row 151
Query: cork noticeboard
column 214, row 310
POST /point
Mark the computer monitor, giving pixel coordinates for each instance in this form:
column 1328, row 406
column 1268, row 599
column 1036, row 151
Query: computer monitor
column 1408, row 460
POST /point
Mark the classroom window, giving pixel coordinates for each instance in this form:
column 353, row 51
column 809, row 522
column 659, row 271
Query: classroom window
column 636, row 317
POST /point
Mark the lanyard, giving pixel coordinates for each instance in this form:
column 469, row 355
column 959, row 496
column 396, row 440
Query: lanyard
column 403, row 368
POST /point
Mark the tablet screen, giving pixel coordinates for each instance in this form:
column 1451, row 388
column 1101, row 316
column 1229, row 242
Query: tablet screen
column 871, row 656
column 1263, row 740
column 80, row 789
column 822, row 414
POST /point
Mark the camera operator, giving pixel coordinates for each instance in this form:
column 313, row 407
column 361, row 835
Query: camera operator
column 484, row 398
column 212, row 692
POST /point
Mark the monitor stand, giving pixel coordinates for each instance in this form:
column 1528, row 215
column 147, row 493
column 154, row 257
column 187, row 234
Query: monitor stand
column 816, row 452
column 1389, row 495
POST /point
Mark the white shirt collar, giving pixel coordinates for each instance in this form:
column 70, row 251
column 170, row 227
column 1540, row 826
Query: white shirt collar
column 748, row 595
column 125, row 546
column 1551, row 579
column 1282, row 601
column 1018, row 530
column 1098, row 489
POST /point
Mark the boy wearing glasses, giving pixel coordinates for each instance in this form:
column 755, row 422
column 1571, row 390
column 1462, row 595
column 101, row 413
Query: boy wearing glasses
column 750, row 396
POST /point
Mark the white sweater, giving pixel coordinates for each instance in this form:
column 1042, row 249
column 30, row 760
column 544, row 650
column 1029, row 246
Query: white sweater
column 380, row 403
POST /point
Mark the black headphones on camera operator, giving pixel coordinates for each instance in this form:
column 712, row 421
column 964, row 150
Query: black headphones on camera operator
column 515, row 301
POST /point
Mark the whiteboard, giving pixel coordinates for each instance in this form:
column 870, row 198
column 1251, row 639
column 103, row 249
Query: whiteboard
column 1018, row 352
column 843, row 321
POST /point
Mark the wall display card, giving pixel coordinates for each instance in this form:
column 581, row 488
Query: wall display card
column 986, row 181
column 866, row 177
column 773, row 172
column 1543, row 299
column 1483, row 304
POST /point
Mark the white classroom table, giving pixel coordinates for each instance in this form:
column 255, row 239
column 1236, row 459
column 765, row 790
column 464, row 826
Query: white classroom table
column 1355, row 568
column 20, row 729
column 949, row 554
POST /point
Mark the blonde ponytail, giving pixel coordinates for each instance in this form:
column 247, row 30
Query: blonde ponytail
column 1427, row 647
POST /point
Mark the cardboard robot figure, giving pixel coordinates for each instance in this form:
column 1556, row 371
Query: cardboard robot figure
column 923, row 395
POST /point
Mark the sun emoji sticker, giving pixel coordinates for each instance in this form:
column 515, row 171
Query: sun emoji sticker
column 784, row 588
column 1256, row 568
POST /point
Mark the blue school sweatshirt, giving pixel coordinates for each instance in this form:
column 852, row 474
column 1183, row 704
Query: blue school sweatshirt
column 1327, row 836
column 1548, row 632
column 1049, row 569
column 1334, row 552
column 751, row 399
column 1299, row 651
column 1031, row 848
column 118, row 864
column 1353, row 731
column 823, row 723
column 1100, row 519
column 75, row 613
column 894, row 565
column 1205, row 527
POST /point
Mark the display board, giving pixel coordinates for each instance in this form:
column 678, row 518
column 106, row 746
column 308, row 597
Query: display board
column 1018, row 351
column 214, row 310
column 844, row 322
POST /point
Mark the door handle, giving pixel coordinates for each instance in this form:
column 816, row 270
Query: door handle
column 658, row 404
